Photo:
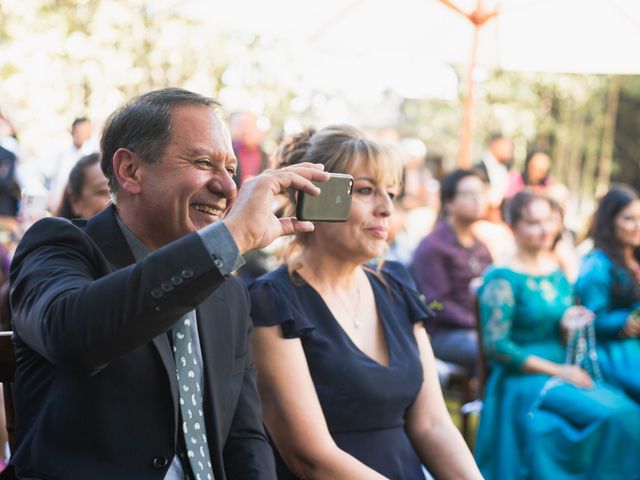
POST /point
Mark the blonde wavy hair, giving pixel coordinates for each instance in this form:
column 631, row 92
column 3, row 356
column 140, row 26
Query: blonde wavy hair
column 341, row 149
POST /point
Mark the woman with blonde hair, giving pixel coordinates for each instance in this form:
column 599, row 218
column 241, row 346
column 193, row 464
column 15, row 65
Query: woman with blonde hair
column 346, row 373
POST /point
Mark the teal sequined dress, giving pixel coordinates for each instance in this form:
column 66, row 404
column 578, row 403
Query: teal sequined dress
column 607, row 290
column 532, row 426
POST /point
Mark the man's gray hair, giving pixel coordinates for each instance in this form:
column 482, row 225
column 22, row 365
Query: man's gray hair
column 143, row 125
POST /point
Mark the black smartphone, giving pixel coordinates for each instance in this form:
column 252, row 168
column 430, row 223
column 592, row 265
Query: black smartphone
column 332, row 205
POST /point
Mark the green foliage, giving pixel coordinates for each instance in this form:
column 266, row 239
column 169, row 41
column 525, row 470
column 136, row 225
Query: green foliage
column 627, row 140
column 64, row 58
column 571, row 116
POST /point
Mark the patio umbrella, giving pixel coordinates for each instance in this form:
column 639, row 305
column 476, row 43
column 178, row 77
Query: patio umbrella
column 586, row 36
column 572, row 36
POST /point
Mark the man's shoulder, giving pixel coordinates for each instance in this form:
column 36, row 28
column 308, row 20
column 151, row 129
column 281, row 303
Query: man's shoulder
column 53, row 232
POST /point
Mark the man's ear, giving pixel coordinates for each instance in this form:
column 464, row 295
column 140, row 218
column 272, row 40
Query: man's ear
column 126, row 168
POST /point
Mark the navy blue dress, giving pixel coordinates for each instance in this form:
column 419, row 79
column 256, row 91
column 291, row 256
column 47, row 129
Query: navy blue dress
column 364, row 402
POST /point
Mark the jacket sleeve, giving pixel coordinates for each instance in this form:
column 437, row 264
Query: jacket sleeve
column 69, row 307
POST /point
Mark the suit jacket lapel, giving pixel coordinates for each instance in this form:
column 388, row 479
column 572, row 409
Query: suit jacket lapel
column 106, row 233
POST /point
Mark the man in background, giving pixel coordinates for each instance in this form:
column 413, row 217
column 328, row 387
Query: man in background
column 495, row 164
column 81, row 145
column 247, row 137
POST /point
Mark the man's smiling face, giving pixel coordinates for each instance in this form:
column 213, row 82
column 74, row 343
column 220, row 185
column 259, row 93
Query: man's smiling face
column 191, row 186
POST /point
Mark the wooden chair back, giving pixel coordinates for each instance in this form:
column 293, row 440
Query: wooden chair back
column 482, row 367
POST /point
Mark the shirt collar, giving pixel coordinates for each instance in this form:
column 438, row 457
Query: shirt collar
column 138, row 248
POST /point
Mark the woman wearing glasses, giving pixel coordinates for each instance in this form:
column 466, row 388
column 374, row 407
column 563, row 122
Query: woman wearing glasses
column 448, row 260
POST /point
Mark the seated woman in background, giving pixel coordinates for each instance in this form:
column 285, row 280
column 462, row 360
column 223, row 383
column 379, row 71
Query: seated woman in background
column 346, row 373
column 87, row 191
column 446, row 262
column 609, row 285
column 532, row 426
column 564, row 244
column 535, row 176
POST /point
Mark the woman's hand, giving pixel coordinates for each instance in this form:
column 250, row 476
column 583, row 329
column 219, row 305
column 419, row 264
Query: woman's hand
column 575, row 375
column 631, row 329
column 576, row 317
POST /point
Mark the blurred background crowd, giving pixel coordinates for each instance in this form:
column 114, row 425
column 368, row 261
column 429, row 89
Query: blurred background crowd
column 564, row 133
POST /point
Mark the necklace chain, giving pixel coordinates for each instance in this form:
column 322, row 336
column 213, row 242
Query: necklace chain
column 355, row 317
column 354, row 314
column 581, row 351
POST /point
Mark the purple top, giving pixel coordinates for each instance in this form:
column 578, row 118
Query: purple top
column 5, row 262
column 443, row 269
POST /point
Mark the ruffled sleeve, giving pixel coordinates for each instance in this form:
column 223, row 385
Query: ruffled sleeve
column 273, row 304
column 402, row 284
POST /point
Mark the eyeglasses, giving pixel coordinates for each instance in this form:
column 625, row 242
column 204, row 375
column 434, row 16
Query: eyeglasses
column 632, row 222
column 471, row 195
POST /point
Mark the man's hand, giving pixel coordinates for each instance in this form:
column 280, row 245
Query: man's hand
column 251, row 221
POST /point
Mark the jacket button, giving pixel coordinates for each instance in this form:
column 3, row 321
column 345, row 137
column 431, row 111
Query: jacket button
column 187, row 273
column 166, row 287
column 160, row 462
column 176, row 280
column 218, row 263
column 156, row 293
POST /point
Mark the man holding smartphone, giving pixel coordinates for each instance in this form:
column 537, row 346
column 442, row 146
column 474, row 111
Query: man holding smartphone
column 131, row 337
column 332, row 205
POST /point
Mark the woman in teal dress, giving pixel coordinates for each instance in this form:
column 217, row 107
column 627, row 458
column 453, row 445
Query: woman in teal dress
column 608, row 285
column 543, row 418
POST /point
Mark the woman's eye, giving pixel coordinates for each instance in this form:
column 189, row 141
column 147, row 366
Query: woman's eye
column 392, row 195
column 365, row 190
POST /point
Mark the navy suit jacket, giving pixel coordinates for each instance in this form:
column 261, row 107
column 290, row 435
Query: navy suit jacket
column 95, row 387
